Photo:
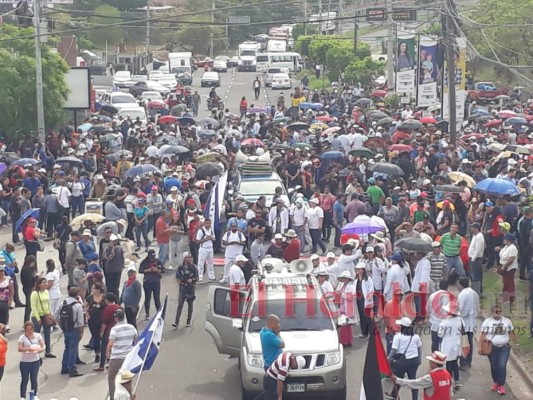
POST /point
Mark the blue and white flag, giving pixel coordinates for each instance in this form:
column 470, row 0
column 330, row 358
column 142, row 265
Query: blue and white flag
column 141, row 357
column 213, row 208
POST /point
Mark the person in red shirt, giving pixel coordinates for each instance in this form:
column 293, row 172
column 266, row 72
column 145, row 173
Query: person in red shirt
column 108, row 321
column 163, row 231
column 193, row 226
column 292, row 250
column 31, row 236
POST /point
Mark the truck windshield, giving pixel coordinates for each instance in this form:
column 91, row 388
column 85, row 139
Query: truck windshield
column 293, row 316
column 247, row 52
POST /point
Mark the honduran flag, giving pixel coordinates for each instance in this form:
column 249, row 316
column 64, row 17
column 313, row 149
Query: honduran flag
column 377, row 367
column 213, row 207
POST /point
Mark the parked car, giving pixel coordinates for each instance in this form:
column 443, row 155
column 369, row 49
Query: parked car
column 150, row 95
column 122, row 79
column 168, row 80
column 141, row 87
column 210, row 79
column 233, row 62
column 281, row 81
column 220, row 66
column 270, row 72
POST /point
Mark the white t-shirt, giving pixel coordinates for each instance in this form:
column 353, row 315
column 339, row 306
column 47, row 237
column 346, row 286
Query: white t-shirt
column 313, row 217
column 236, row 276
column 77, row 189
column 298, row 215
column 54, row 292
column 497, row 331
column 233, row 250
column 401, row 344
column 62, row 196
column 202, row 232
column 506, row 253
column 30, row 357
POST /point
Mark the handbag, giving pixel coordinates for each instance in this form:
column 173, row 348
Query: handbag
column 40, row 242
column 57, row 244
column 48, row 318
column 485, row 347
column 465, row 345
column 501, row 270
column 399, row 358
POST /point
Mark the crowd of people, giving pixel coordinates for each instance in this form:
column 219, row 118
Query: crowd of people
column 434, row 225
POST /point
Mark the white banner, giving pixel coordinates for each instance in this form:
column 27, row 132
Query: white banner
column 405, row 64
column 427, row 72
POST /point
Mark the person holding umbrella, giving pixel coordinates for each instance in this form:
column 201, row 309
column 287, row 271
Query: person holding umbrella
column 31, row 236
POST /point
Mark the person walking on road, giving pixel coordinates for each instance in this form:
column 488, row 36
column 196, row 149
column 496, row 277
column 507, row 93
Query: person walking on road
column 196, row 101
column 30, row 344
column 6, row 296
column 257, row 87
column 3, row 350
column 186, row 277
column 28, row 277
column 121, row 340
column 205, row 237
column 450, row 331
column 108, row 321
column 152, row 268
column 468, row 306
column 130, row 297
column 499, row 330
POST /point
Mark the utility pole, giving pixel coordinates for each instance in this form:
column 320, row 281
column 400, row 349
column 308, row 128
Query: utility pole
column 355, row 28
column 449, row 38
column 211, row 51
column 147, row 50
column 305, row 17
column 390, row 47
column 320, row 15
column 39, row 72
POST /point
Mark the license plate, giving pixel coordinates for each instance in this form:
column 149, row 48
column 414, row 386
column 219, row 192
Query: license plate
column 295, row 387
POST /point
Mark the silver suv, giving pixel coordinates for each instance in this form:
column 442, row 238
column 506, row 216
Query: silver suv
column 235, row 326
column 271, row 71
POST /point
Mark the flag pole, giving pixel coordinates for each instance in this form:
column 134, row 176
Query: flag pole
column 148, row 351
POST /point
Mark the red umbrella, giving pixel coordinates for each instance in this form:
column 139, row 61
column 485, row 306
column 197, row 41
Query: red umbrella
column 325, row 118
column 377, row 141
column 428, row 120
column 400, row 147
column 493, row 123
column 252, row 142
column 157, row 104
column 528, row 117
column 379, row 93
column 167, row 119
column 507, row 114
column 473, row 135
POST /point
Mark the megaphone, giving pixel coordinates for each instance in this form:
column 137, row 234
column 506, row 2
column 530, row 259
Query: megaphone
column 302, row 267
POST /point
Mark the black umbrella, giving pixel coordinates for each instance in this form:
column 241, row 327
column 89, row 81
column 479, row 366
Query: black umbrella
column 449, row 189
column 376, row 115
column 385, row 121
column 442, row 125
column 292, row 112
column 362, row 152
column 171, row 150
column 386, row 168
column 297, row 126
column 208, row 169
column 108, row 108
column 414, row 244
column 69, row 160
column 206, row 134
column 409, row 125
column 281, row 146
column 364, row 102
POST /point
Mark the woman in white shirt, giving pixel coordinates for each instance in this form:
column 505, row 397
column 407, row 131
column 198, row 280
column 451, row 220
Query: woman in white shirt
column 508, row 266
column 52, row 278
column 323, row 279
column 397, row 276
column 348, row 311
column 30, row 344
column 364, row 288
column 406, row 353
column 499, row 330
column 450, row 331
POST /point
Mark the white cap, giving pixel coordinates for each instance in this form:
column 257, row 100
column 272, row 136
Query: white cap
column 370, row 249
column 404, row 321
column 98, row 177
column 346, row 274
column 426, row 182
column 360, row 266
column 436, row 244
column 512, row 161
column 278, row 236
column 315, row 201
column 132, row 269
column 174, row 189
column 465, row 161
column 41, row 170
column 322, row 271
column 330, row 255
column 87, row 232
column 240, row 257
column 314, row 257
column 113, row 237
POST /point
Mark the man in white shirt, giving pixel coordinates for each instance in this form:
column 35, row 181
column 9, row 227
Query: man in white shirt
column 63, row 196
column 475, row 255
column 236, row 275
column 298, row 218
column 205, row 236
column 420, row 285
column 407, row 113
column 77, row 200
column 468, row 307
column 332, row 268
column 315, row 217
column 234, row 241
column 278, row 217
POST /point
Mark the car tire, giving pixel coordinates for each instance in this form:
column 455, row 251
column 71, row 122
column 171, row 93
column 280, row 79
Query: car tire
column 339, row 396
column 246, row 395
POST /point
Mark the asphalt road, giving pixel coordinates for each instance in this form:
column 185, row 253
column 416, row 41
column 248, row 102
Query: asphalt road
column 188, row 366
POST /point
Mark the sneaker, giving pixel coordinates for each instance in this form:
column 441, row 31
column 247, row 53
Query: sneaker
column 170, row 267
column 222, row 281
column 189, row 324
column 147, row 318
column 7, row 329
column 458, row 385
column 494, row 387
column 501, row 390
column 50, row 355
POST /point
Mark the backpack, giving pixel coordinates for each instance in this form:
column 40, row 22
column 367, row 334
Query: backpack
column 66, row 316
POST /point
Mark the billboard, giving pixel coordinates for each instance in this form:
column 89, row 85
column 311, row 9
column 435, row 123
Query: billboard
column 428, row 71
column 376, row 14
column 79, row 83
column 405, row 64
column 460, row 80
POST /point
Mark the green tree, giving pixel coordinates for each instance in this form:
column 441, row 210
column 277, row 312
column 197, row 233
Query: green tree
column 18, row 110
column 299, row 30
column 105, row 15
column 301, row 45
column 125, row 5
column 365, row 70
column 337, row 59
column 197, row 38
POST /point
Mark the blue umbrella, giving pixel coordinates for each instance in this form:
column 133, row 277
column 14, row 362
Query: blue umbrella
column 516, row 121
column 331, row 155
column 497, row 187
column 26, row 161
column 32, row 213
column 186, row 120
column 140, row 170
column 480, row 112
column 311, row 106
column 3, row 167
column 206, row 133
column 85, row 127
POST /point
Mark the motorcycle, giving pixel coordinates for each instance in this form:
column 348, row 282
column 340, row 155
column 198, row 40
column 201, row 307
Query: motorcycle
column 215, row 103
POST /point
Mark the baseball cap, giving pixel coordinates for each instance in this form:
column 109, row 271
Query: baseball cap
column 489, row 204
column 436, row 244
column 330, row 255
column 369, row 249
column 314, row 257
column 475, row 225
column 241, row 258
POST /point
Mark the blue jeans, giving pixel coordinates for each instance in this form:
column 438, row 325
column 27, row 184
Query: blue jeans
column 454, row 262
column 40, row 324
column 338, row 234
column 300, row 231
column 435, row 341
column 408, row 367
column 270, row 387
column 163, row 252
column 29, row 371
column 149, row 289
column 6, row 206
column 476, row 274
column 316, row 240
column 142, row 230
column 498, row 363
column 70, row 355
column 77, row 203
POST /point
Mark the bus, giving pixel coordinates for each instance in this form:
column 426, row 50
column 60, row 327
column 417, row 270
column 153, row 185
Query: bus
column 292, row 61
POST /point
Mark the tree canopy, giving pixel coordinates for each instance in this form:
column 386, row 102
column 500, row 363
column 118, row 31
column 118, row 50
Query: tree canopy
column 18, row 108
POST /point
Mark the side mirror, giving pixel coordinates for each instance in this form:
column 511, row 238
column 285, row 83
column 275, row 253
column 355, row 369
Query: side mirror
column 236, row 323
